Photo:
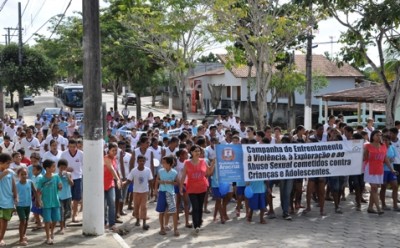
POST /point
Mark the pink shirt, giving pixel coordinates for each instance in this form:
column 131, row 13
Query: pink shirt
column 196, row 181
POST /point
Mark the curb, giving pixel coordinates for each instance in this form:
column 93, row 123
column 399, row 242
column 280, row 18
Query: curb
column 120, row 240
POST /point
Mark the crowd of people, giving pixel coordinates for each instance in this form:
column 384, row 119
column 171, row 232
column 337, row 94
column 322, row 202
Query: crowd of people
column 41, row 171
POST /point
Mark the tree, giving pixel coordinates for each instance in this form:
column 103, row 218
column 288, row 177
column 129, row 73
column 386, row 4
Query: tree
column 373, row 25
column 65, row 50
column 263, row 29
column 210, row 58
column 35, row 73
column 159, row 78
column 172, row 31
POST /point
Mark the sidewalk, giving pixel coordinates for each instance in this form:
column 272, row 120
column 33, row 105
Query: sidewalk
column 72, row 237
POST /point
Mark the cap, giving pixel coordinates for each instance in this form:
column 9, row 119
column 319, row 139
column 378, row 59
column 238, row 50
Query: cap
column 12, row 122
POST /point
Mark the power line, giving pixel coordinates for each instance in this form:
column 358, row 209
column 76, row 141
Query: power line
column 26, row 5
column 65, row 11
column 2, row 5
column 38, row 30
column 37, row 13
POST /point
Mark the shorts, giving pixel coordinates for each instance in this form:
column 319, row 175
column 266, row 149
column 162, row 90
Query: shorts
column 388, row 177
column 130, row 188
column 51, row 214
column 357, row 181
column 176, row 189
column 65, row 209
column 35, row 209
column 336, row 183
column 76, row 190
column 118, row 192
column 257, row 202
column 216, row 193
column 23, row 213
column 240, row 190
column 317, row 179
column 166, row 201
column 6, row 213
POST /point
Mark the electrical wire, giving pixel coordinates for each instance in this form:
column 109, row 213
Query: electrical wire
column 2, row 5
column 62, row 17
column 37, row 13
column 38, row 30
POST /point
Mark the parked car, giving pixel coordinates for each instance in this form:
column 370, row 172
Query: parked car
column 212, row 115
column 29, row 100
column 50, row 112
column 129, row 98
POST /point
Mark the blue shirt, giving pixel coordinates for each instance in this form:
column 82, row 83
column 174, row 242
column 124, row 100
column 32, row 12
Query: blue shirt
column 391, row 154
column 30, row 173
column 24, row 193
column 214, row 179
column 6, row 194
column 167, row 176
column 49, row 189
column 65, row 192
column 257, row 187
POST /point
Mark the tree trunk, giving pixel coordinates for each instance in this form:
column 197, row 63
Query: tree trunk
column 251, row 113
column 21, row 94
column 392, row 100
column 183, row 96
column 262, row 82
column 153, row 100
column 138, row 106
column 115, row 93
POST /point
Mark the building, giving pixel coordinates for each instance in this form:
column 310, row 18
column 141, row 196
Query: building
column 234, row 88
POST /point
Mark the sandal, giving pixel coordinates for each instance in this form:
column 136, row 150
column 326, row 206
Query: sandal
column 49, row 242
column 146, row 227
column 338, row 211
column 137, row 224
column 263, row 222
column 23, row 243
column 371, row 211
column 176, row 234
column 162, row 232
column 189, row 226
column 306, row 211
column 168, row 228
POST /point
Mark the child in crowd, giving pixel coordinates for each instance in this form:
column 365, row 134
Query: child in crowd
column 37, row 173
column 140, row 176
column 182, row 156
column 48, row 187
column 25, row 189
column 65, row 193
column 166, row 205
column 257, row 202
column 8, row 194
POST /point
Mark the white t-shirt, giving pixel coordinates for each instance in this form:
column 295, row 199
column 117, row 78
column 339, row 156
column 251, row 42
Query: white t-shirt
column 147, row 155
column 156, row 152
column 126, row 160
column 58, row 138
column 51, row 156
column 9, row 149
column 11, row 132
column 211, row 153
column 168, row 151
column 140, row 179
column 75, row 162
column 27, row 144
column 369, row 131
column 134, row 140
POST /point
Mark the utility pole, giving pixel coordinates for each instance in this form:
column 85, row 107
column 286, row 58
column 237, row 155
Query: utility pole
column 308, row 90
column 21, row 92
column 8, row 35
column 93, row 164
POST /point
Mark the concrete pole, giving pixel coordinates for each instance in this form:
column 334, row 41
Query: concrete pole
column 93, row 164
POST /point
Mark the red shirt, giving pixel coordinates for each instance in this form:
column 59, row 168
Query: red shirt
column 196, row 181
column 108, row 176
column 376, row 158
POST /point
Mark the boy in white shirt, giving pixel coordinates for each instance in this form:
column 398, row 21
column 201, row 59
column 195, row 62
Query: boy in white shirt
column 140, row 176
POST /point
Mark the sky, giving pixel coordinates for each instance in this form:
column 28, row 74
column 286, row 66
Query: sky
column 37, row 12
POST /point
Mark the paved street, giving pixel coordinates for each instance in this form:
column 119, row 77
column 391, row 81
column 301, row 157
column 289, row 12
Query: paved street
column 350, row 229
